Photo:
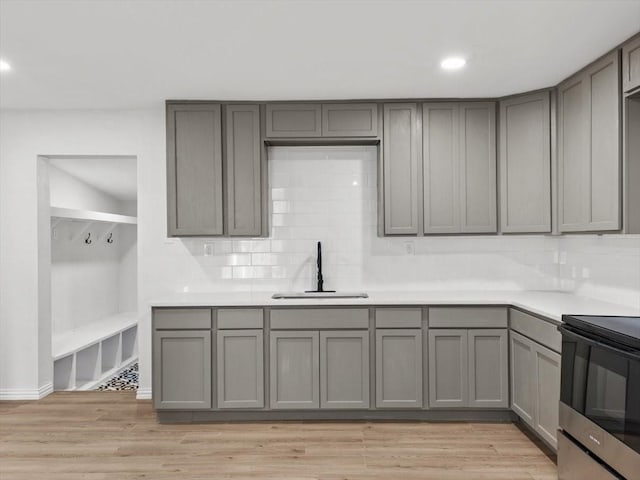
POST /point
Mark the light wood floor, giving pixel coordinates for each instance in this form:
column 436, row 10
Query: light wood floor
column 110, row 435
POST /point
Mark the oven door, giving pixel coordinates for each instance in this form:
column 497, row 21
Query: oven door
column 600, row 398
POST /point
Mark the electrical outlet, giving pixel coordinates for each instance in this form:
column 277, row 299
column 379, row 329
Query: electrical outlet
column 409, row 248
column 54, row 233
column 208, row 249
column 586, row 272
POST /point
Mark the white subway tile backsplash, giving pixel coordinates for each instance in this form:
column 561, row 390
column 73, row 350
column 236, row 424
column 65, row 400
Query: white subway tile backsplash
column 330, row 194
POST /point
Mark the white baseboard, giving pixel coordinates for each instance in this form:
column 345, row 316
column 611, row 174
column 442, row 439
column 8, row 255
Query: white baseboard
column 26, row 393
column 144, row 394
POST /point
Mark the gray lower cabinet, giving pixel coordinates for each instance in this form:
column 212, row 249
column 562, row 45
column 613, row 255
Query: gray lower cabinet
column 459, row 167
column 182, row 369
column 294, row 369
column 399, row 368
column 589, row 148
column 344, row 369
column 240, row 369
column 468, row 368
column 349, row 120
column 400, row 158
column 448, row 368
column 525, row 164
column 243, row 167
column 194, row 169
column 631, row 64
column 535, row 385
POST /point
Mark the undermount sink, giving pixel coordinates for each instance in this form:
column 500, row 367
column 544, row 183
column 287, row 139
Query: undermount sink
column 280, row 296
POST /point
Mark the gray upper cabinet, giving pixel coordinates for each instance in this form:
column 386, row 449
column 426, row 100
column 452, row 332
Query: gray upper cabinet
column 448, row 368
column 441, row 168
column 400, row 157
column 240, row 369
column 176, row 352
column 399, row 368
column 459, row 167
column 589, row 148
column 294, row 120
column 478, row 167
column 631, row 64
column 194, row 169
column 349, row 120
column 525, row 164
column 344, row 369
column 243, row 166
column 294, row 370
column 488, row 368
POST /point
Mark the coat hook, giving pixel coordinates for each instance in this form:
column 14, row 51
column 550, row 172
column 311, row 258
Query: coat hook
column 88, row 240
column 110, row 238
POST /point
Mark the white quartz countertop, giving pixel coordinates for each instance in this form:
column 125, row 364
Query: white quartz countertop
column 551, row 305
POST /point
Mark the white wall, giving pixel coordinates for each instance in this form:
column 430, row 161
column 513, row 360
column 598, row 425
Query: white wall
column 357, row 258
column 89, row 282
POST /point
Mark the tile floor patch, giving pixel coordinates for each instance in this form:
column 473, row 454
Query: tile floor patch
column 127, row 379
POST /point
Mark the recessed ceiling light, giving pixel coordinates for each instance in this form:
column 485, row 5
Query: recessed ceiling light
column 4, row 66
column 453, row 63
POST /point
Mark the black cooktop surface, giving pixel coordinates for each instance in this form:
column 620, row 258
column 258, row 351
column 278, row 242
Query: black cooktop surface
column 621, row 329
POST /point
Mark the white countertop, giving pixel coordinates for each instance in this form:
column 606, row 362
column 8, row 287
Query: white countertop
column 551, row 305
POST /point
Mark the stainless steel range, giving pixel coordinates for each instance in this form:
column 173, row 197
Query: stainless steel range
column 599, row 398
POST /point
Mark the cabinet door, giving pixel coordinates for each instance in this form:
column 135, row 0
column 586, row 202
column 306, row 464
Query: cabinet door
column 294, row 120
column 488, row 368
column 448, row 368
column 349, row 120
column 294, row 372
column 525, row 164
column 194, row 170
column 522, row 381
column 400, row 169
column 182, row 369
column 344, row 369
column 603, row 203
column 399, row 368
column 631, row 64
column 573, row 126
column 477, row 150
column 240, row 369
column 547, row 393
column 589, row 149
column 440, row 171
column 243, row 167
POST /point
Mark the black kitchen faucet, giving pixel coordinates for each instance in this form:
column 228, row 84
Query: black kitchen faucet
column 319, row 288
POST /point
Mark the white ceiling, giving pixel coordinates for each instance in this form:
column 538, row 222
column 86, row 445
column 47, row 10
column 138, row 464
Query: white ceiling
column 137, row 53
column 115, row 176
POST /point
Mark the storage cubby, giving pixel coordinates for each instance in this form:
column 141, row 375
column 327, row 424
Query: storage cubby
column 110, row 350
column 87, row 366
column 64, row 377
column 129, row 344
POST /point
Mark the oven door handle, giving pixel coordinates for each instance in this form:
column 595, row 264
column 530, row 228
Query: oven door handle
column 633, row 355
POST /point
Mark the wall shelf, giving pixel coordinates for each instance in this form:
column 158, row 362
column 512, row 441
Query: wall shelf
column 91, row 216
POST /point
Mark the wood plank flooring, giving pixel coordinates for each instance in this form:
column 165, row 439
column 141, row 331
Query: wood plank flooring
column 110, row 435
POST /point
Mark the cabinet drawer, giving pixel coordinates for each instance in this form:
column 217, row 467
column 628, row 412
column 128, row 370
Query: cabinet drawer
column 319, row 318
column 468, row 317
column 239, row 318
column 543, row 332
column 350, row 120
column 181, row 318
column 398, row 318
column 294, row 120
